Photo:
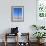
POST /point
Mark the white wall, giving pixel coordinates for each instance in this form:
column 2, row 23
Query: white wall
column 29, row 15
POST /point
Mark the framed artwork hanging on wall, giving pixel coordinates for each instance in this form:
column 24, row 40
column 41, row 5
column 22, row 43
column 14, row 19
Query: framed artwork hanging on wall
column 41, row 12
column 17, row 13
column 41, row 8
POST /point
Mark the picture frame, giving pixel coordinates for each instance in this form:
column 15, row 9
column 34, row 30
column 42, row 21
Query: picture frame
column 17, row 13
column 41, row 9
column 41, row 12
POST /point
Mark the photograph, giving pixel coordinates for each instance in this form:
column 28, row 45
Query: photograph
column 17, row 13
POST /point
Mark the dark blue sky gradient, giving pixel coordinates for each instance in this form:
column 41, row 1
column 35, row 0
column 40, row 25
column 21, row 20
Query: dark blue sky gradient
column 17, row 11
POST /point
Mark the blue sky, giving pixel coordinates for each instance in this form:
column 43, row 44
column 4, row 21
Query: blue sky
column 17, row 11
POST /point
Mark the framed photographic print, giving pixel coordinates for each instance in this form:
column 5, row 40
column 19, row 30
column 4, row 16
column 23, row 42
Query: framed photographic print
column 17, row 13
column 41, row 8
column 41, row 12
